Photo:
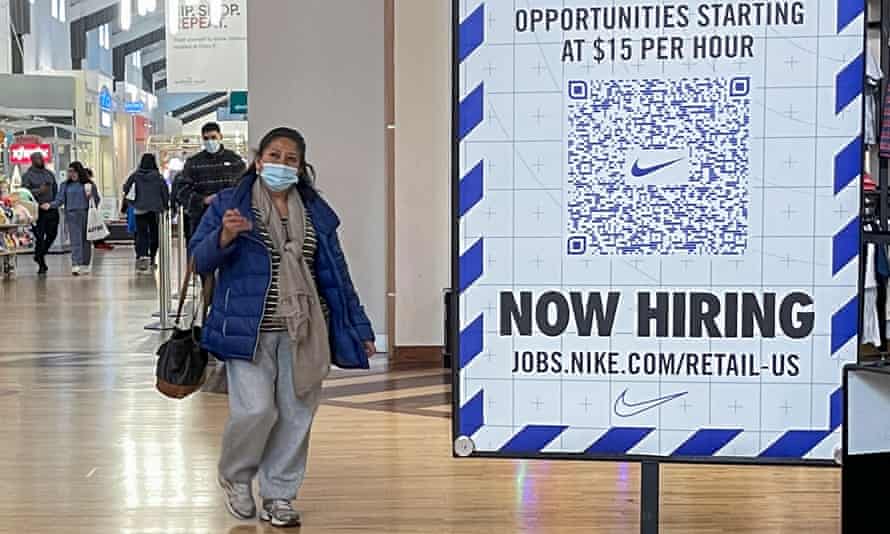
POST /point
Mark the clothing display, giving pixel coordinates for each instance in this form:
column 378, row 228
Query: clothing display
column 871, row 332
column 873, row 76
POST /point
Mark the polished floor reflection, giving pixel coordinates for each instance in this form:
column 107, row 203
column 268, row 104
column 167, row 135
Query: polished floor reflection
column 89, row 446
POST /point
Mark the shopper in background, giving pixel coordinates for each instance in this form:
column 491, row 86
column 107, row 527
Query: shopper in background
column 42, row 184
column 76, row 194
column 267, row 239
column 151, row 198
column 206, row 174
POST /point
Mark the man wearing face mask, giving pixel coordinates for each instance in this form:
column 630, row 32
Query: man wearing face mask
column 42, row 184
column 206, row 174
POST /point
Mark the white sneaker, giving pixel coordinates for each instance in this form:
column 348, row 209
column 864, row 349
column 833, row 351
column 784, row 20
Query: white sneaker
column 75, row 271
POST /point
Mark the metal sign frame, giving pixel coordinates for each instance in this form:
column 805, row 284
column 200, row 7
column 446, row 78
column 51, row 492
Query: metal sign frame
column 464, row 446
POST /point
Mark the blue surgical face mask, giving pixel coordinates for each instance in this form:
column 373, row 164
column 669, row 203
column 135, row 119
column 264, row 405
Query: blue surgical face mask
column 279, row 177
column 212, row 146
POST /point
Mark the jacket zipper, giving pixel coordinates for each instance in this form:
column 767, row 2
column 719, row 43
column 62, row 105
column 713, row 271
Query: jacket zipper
column 266, row 297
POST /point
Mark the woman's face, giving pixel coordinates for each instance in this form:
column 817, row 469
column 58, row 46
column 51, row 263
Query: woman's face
column 282, row 151
column 72, row 174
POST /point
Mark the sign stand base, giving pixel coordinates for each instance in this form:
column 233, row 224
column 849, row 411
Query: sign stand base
column 649, row 496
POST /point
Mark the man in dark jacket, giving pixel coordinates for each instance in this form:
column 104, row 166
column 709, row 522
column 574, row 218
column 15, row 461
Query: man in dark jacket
column 207, row 173
column 42, row 184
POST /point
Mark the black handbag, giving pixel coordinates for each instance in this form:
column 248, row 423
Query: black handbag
column 181, row 360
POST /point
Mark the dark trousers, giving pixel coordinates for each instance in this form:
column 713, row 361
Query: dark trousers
column 147, row 235
column 45, row 232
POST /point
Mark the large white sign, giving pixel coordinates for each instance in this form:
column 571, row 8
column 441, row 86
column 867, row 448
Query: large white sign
column 206, row 46
column 658, row 226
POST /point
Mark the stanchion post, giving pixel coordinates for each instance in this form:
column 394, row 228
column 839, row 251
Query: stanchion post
column 165, row 229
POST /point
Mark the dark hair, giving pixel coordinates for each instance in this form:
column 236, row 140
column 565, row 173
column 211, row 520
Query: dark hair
column 210, row 127
column 89, row 172
column 306, row 186
column 148, row 162
column 81, row 172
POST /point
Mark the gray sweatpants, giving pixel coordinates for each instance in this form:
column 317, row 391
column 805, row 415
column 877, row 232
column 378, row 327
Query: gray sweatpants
column 267, row 435
column 81, row 249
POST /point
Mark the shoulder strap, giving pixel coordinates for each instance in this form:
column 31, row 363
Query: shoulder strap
column 183, row 291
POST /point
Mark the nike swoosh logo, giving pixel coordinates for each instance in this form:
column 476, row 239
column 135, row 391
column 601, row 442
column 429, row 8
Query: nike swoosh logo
column 630, row 409
column 639, row 172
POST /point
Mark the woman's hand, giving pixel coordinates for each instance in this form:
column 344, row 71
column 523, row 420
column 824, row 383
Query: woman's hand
column 370, row 349
column 233, row 225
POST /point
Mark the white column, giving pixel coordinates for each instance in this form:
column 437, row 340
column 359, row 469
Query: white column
column 422, row 168
column 317, row 66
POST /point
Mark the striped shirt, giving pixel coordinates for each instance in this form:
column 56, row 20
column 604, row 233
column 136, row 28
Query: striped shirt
column 272, row 322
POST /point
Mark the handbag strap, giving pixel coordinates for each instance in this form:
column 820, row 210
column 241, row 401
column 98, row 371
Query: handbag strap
column 183, row 291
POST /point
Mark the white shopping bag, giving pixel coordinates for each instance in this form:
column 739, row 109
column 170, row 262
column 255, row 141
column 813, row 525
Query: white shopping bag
column 131, row 194
column 96, row 229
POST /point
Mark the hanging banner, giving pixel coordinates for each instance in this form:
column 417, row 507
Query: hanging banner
column 656, row 226
column 206, row 46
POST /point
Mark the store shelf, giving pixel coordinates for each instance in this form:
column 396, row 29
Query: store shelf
column 16, row 252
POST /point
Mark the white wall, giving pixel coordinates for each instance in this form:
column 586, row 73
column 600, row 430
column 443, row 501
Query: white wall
column 422, row 174
column 318, row 66
column 48, row 46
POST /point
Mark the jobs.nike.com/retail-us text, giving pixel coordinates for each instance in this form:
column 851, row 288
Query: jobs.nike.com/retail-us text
column 609, row 363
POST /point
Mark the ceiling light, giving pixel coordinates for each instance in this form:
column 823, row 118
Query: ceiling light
column 126, row 9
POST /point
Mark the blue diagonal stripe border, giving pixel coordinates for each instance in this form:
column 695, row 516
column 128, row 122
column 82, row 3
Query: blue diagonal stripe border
column 847, row 165
column 471, row 414
column 472, row 33
column 471, row 265
column 706, row 442
column 845, row 246
column 844, row 324
column 532, row 438
column 471, row 341
column 470, row 111
column 794, row 444
column 847, row 11
column 848, row 83
column 471, row 188
column 619, row 440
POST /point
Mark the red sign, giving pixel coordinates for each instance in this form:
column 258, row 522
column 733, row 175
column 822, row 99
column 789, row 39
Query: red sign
column 141, row 127
column 20, row 153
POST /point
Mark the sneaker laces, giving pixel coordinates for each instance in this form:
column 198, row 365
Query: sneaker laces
column 280, row 507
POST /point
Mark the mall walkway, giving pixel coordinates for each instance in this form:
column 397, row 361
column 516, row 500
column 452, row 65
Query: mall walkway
column 89, row 446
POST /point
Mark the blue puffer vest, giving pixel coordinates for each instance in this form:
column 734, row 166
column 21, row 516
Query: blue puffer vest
column 244, row 273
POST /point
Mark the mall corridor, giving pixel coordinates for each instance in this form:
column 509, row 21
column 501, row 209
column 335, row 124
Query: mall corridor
column 90, row 446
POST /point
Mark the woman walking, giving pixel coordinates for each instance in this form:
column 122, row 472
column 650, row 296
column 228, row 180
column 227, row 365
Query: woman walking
column 284, row 308
column 76, row 194
column 151, row 198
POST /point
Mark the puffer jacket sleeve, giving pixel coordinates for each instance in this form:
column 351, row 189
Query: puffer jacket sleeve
column 356, row 311
column 204, row 246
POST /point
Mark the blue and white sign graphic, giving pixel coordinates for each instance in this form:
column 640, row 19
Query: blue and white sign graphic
column 658, row 226
column 106, row 102
column 134, row 107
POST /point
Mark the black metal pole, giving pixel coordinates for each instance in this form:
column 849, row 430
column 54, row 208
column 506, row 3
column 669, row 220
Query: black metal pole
column 649, row 497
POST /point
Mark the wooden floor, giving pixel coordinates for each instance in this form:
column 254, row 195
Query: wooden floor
column 87, row 445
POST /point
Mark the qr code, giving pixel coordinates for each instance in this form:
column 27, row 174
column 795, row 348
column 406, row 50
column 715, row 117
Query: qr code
column 658, row 166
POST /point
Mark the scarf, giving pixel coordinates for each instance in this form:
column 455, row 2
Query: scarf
column 298, row 301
